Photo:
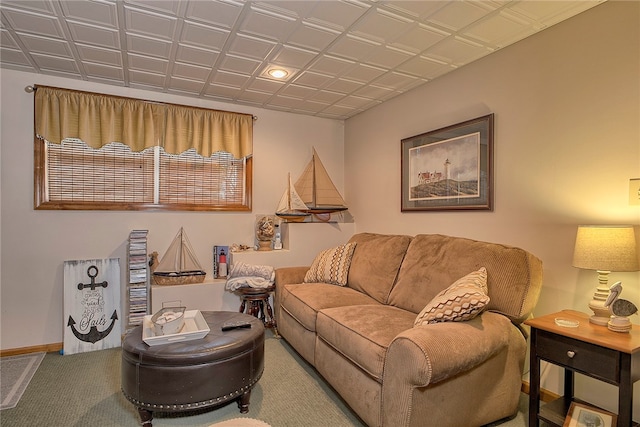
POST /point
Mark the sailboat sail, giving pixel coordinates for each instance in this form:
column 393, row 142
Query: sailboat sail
column 316, row 189
column 291, row 206
column 179, row 262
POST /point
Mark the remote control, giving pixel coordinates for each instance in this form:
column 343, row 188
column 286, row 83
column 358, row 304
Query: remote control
column 227, row 326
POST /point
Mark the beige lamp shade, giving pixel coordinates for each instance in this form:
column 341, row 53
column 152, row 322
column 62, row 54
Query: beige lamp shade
column 606, row 248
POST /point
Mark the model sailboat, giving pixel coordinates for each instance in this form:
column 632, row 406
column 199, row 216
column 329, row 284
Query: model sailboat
column 291, row 207
column 179, row 265
column 317, row 191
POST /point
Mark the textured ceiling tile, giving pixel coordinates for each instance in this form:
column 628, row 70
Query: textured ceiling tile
column 104, row 71
column 497, row 28
column 95, row 35
column 206, row 37
column 363, row 73
column 46, row 45
column 148, row 46
column 296, row 91
column 424, row 67
column 222, row 14
column 187, row 85
column 309, row 78
column 190, row 72
column 63, row 65
column 327, row 96
column 312, row 36
column 7, row 40
column 387, row 57
column 158, row 5
column 264, row 85
column 458, row 14
column 417, row 9
column 380, row 26
column 196, row 56
column 13, row 57
column 33, row 23
column 96, row 12
column 457, row 51
column 219, row 91
column 150, row 24
column 290, row 56
column 353, row 47
column 99, row 55
column 331, row 65
column 251, row 47
column 43, row 6
column 420, row 37
column 148, row 63
column 338, row 15
column 374, row 92
column 230, row 79
column 255, row 96
column 344, row 86
column 239, row 64
column 271, row 26
column 147, row 79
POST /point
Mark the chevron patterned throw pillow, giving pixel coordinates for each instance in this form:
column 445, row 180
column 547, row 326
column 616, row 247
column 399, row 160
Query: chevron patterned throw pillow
column 331, row 265
column 463, row 300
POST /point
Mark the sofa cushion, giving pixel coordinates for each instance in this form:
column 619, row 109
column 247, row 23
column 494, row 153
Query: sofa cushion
column 463, row 300
column 303, row 301
column 433, row 262
column 331, row 265
column 362, row 333
column 376, row 262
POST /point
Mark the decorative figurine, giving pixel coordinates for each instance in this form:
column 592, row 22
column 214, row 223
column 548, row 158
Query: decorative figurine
column 621, row 309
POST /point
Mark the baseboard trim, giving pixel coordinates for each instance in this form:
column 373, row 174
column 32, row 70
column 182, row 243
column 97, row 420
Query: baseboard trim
column 56, row 346
column 545, row 395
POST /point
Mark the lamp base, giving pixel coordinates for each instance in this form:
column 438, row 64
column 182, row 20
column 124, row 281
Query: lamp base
column 601, row 314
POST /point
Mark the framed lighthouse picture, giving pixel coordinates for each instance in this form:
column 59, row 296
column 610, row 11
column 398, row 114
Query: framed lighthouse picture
column 91, row 305
column 449, row 168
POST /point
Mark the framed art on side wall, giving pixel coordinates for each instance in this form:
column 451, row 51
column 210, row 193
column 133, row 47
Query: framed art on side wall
column 449, row 168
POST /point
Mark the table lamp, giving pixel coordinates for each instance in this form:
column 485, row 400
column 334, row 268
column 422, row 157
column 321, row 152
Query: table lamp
column 605, row 248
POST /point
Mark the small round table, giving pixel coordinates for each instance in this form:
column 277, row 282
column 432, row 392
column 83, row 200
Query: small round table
column 191, row 375
column 256, row 302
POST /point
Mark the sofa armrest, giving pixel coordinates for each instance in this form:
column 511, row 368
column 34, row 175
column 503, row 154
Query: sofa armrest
column 286, row 276
column 442, row 350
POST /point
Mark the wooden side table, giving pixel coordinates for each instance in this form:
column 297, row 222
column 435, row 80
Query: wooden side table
column 256, row 303
column 589, row 349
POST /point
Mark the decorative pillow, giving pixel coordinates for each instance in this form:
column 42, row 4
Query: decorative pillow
column 463, row 300
column 332, row 265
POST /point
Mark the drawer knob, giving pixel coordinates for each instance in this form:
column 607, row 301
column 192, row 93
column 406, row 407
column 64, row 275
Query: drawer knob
column 571, row 354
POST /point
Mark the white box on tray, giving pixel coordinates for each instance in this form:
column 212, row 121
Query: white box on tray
column 195, row 327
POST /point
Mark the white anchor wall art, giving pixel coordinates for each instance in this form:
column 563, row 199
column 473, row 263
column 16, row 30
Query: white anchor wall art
column 91, row 305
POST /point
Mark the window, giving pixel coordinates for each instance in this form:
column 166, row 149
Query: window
column 138, row 175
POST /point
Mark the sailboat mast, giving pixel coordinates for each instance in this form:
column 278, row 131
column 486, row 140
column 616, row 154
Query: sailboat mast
column 313, row 187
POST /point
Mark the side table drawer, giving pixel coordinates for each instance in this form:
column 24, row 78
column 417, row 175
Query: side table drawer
column 594, row 360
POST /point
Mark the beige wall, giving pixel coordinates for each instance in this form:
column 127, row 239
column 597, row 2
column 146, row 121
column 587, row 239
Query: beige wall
column 567, row 141
column 35, row 244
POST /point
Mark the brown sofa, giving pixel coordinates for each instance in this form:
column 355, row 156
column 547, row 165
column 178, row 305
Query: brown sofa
column 361, row 337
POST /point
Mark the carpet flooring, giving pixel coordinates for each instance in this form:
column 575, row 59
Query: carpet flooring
column 84, row 389
column 15, row 374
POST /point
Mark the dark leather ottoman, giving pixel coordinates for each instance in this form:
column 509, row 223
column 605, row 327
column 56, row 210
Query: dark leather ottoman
column 191, row 375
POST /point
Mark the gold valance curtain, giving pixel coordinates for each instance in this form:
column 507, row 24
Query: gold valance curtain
column 100, row 119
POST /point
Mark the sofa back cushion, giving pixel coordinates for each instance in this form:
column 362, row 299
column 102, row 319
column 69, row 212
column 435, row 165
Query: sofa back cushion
column 433, row 262
column 375, row 263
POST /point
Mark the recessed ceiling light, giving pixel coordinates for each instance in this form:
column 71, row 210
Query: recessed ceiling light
column 278, row 73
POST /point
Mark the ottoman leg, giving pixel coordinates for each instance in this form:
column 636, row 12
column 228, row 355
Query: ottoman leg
column 145, row 417
column 243, row 402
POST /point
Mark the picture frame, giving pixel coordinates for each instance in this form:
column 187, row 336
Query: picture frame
column 582, row 415
column 449, row 169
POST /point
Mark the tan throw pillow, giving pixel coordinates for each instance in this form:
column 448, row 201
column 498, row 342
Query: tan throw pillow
column 463, row 300
column 331, row 265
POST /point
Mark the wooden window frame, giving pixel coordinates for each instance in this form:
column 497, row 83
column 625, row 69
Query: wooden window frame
column 41, row 203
